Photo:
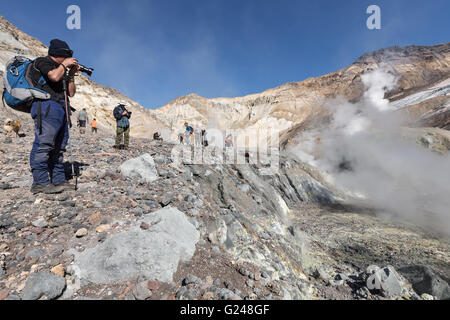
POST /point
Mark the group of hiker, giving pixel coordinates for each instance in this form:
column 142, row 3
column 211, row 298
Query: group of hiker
column 51, row 85
column 191, row 136
column 198, row 137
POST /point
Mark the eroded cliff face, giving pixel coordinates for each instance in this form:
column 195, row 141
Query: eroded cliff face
column 421, row 72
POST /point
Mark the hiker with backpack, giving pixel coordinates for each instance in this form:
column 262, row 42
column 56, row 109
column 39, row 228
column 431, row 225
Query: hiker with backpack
column 83, row 118
column 42, row 93
column 188, row 134
column 122, row 116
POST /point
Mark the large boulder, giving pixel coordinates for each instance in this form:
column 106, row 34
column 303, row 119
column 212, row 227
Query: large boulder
column 384, row 280
column 424, row 280
column 153, row 253
column 142, row 167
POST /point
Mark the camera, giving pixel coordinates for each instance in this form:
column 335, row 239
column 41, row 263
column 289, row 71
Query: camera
column 128, row 112
column 86, row 70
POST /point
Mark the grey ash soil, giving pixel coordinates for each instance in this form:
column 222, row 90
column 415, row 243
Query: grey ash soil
column 260, row 237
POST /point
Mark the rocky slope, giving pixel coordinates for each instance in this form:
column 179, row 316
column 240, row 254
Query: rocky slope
column 97, row 99
column 232, row 233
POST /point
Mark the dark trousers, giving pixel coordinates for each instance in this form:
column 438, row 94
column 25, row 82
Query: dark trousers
column 46, row 158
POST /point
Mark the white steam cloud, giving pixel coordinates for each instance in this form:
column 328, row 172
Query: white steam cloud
column 365, row 154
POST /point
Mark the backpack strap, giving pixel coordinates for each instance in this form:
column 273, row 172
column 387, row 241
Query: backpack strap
column 3, row 98
column 39, row 116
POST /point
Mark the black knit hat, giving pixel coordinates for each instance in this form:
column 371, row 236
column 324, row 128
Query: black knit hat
column 59, row 48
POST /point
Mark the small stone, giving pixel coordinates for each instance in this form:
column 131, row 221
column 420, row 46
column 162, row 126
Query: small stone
column 244, row 187
column 40, row 223
column 58, row 270
column 427, row 296
column 145, row 226
column 252, row 296
column 141, row 291
column 97, row 204
column 81, row 233
column 209, row 280
column 244, row 272
column 208, row 296
column 95, row 218
column 103, row 228
column 320, row 273
column 137, row 212
column 341, row 276
column 3, row 295
column 37, row 230
column 35, row 253
column 153, row 285
column 336, row 283
column 191, row 279
column 167, row 200
column 256, row 276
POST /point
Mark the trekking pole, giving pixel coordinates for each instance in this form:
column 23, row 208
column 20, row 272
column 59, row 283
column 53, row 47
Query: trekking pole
column 68, row 124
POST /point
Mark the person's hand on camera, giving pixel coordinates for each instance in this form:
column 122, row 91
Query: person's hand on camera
column 74, row 69
column 70, row 62
column 125, row 113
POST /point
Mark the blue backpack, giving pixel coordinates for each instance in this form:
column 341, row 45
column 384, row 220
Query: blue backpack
column 19, row 90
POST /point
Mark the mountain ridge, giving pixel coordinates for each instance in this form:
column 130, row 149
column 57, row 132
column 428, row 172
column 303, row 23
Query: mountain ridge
column 282, row 108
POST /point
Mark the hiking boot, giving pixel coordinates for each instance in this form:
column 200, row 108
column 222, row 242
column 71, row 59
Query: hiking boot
column 67, row 186
column 48, row 189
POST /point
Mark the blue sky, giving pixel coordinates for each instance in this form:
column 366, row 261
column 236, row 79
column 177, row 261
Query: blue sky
column 155, row 51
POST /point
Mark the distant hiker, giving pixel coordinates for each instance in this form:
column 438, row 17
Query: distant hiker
column 204, row 141
column 188, row 133
column 229, row 141
column 181, row 137
column 94, row 126
column 198, row 138
column 82, row 119
column 157, row 136
column 122, row 116
column 50, row 120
